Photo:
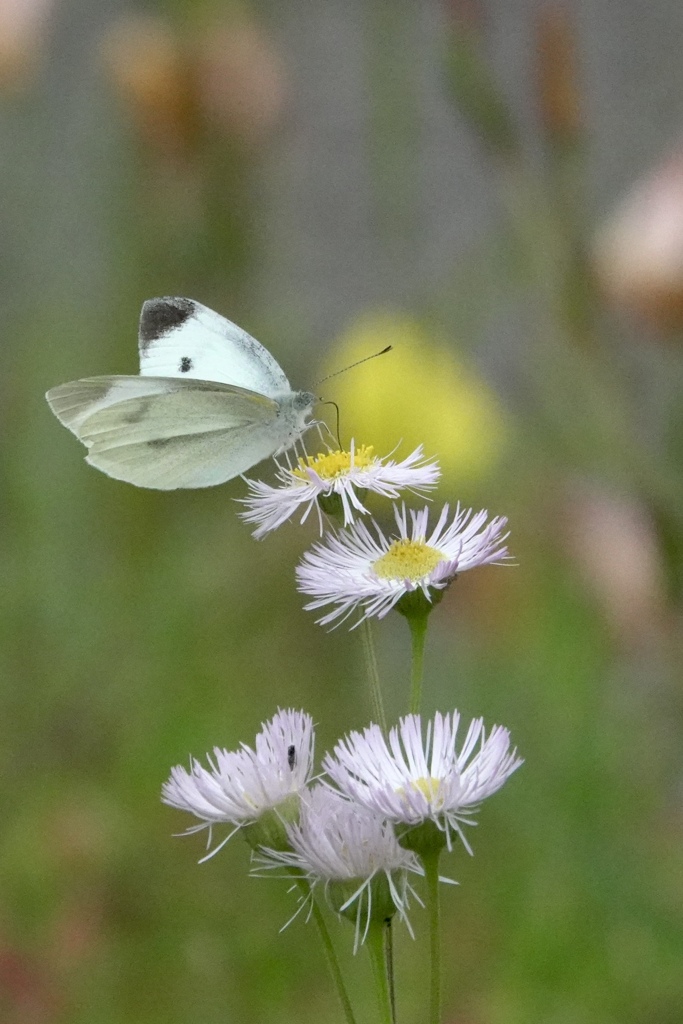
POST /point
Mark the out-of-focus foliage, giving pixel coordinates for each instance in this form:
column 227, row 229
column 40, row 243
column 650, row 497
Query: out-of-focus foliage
column 137, row 628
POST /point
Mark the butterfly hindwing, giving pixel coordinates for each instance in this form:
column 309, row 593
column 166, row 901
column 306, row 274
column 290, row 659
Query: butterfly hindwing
column 74, row 402
column 169, row 414
column 146, row 431
column 199, row 460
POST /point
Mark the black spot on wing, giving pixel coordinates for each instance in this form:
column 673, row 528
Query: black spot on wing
column 185, row 364
column 159, row 316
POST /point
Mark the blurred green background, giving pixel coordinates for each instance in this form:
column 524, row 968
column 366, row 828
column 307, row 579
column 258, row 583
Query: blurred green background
column 497, row 190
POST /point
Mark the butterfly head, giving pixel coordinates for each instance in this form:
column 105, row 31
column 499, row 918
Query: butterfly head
column 304, row 401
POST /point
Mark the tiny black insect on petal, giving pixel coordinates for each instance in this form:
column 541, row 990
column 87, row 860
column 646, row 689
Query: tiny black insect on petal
column 185, row 364
column 291, row 756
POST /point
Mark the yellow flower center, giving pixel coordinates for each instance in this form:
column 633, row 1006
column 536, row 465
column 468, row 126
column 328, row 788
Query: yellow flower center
column 407, row 560
column 330, row 465
column 428, row 786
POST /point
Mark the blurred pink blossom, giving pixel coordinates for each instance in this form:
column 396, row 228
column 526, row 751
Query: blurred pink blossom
column 639, row 248
column 612, row 541
column 22, row 29
column 241, row 80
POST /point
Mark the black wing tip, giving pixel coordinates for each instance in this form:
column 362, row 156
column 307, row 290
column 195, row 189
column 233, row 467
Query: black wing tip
column 159, row 316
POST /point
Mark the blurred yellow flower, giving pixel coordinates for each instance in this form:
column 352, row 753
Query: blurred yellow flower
column 421, row 393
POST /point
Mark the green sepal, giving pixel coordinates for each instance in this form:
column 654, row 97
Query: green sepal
column 333, row 506
column 426, row 839
column 416, row 605
column 382, row 907
column 270, row 828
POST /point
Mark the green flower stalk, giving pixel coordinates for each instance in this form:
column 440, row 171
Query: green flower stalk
column 429, row 789
column 416, row 607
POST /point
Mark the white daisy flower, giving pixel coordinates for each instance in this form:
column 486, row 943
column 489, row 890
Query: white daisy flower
column 411, row 781
column 241, row 786
column 335, row 481
column 354, row 853
column 354, row 569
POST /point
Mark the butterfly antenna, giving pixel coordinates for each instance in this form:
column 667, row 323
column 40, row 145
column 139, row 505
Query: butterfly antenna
column 351, row 366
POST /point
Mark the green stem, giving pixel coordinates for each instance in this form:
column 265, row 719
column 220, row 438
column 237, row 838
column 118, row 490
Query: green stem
column 377, row 950
column 418, row 634
column 478, row 94
column 373, row 674
column 332, row 961
column 390, row 970
column 431, row 866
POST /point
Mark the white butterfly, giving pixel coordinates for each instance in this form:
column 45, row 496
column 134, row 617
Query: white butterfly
column 209, row 403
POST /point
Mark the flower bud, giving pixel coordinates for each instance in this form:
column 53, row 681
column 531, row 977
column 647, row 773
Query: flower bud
column 152, row 73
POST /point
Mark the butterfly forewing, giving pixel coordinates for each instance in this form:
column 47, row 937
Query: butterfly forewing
column 181, row 338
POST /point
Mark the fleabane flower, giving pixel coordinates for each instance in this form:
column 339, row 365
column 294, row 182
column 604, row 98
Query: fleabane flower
column 413, row 779
column 355, row 569
column 353, row 853
column 253, row 789
column 335, row 482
